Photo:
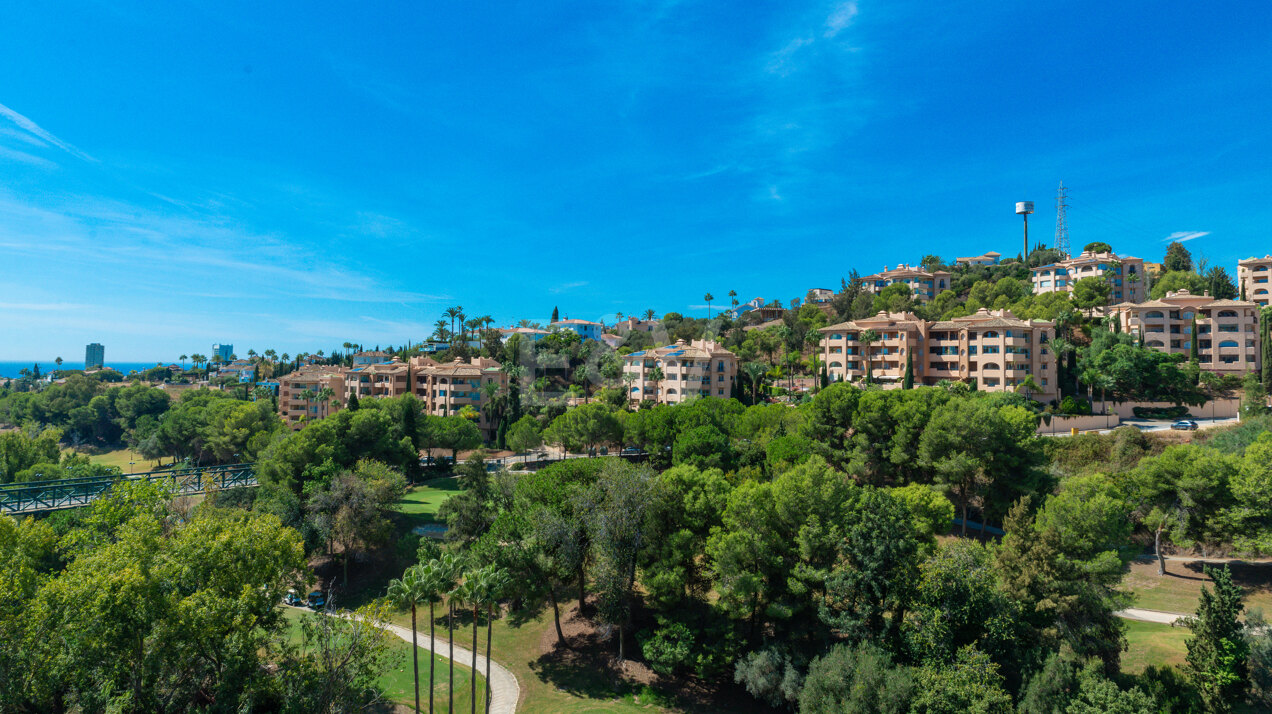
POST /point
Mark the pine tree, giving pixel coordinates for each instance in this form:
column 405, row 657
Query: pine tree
column 1218, row 650
column 907, row 382
column 353, row 402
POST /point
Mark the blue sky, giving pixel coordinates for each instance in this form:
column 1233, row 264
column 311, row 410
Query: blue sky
column 294, row 175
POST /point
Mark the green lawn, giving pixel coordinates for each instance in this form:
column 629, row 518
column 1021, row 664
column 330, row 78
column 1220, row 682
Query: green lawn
column 1153, row 643
column 399, row 681
column 121, row 457
column 1180, row 588
column 421, row 502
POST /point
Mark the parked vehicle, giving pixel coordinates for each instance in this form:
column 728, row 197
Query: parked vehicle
column 1184, row 425
column 292, row 598
column 316, row 600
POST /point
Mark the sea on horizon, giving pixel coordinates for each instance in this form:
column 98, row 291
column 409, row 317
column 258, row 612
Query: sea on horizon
column 9, row 370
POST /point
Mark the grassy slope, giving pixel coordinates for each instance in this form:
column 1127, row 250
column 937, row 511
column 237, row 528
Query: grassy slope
column 1180, row 588
column 420, row 504
column 399, row 681
column 120, row 458
column 1153, row 643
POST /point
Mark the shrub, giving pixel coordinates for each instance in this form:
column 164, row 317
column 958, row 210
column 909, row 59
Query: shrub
column 669, row 649
column 1072, row 405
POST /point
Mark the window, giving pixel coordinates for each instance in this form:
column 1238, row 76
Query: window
column 1228, row 343
column 989, row 335
column 1228, row 328
column 1227, row 313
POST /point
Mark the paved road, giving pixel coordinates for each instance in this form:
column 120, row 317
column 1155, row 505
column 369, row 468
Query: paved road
column 1149, row 425
column 504, row 690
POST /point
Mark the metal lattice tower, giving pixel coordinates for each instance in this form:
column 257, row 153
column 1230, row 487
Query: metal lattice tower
column 1062, row 228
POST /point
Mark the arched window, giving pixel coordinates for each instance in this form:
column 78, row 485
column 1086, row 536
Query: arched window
column 1154, row 343
column 989, row 367
column 1154, row 315
column 1189, row 315
column 835, row 365
column 1227, row 313
column 989, row 335
column 1261, row 291
column 671, row 391
column 671, row 363
column 1229, row 343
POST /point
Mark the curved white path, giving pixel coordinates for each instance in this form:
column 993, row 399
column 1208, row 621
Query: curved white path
column 504, row 690
column 1137, row 613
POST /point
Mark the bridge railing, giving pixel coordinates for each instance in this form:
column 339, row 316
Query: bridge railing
column 38, row 496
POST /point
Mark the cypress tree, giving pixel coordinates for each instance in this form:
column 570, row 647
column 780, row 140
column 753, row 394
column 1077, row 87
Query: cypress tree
column 1266, row 345
column 501, row 435
column 1192, row 342
column 907, row 382
column 353, row 402
column 556, row 314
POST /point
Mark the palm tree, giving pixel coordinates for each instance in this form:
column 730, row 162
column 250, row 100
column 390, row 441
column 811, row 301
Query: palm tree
column 324, row 396
column 408, row 592
column 708, row 297
column 183, row 361
column 867, row 338
column 733, row 298
column 656, row 375
column 452, row 313
column 439, row 330
column 58, row 362
column 1211, row 382
column 456, row 592
column 755, row 371
column 1028, row 386
column 649, row 314
column 492, row 582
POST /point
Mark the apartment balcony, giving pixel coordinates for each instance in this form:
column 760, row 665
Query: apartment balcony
column 1015, row 357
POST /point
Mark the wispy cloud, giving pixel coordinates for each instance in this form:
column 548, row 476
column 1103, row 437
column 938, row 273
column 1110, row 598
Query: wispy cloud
column 840, row 18
column 40, row 306
column 567, row 286
column 774, row 195
column 25, row 158
column 34, row 129
column 1184, row 236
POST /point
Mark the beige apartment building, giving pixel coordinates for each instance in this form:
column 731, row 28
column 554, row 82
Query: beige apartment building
column 381, row 379
column 633, row 324
column 993, row 350
column 922, row 284
column 1227, row 330
column 446, row 388
column 296, row 391
column 701, row 368
column 1124, row 274
column 990, row 258
column 1253, row 275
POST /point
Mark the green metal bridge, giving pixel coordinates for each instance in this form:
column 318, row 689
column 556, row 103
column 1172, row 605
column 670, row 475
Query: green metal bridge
column 32, row 497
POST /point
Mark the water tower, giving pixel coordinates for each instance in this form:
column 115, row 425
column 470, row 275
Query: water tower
column 1024, row 208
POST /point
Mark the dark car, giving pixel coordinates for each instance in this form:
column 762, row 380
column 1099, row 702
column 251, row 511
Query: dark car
column 1184, row 425
column 292, row 598
column 316, row 600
